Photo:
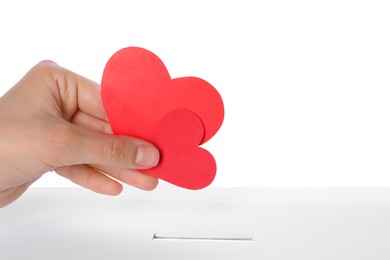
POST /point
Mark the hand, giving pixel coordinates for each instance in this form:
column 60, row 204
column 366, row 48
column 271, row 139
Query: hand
column 53, row 120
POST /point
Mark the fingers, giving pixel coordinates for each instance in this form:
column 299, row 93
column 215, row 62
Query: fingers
column 87, row 121
column 87, row 140
column 128, row 176
column 89, row 98
column 90, row 179
column 96, row 181
column 131, row 177
column 76, row 92
column 83, row 146
column 86, row 146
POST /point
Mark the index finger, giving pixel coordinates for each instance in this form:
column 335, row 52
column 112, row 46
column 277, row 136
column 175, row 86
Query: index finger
column 89, row 97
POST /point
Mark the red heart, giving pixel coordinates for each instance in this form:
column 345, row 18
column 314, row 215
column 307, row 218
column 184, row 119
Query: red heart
column 141, row 100
column 182, row 163
column 137, row 92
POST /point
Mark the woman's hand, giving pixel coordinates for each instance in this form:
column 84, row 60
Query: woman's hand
column 53, row 120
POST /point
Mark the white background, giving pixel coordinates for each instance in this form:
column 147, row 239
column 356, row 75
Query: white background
column 306, row 84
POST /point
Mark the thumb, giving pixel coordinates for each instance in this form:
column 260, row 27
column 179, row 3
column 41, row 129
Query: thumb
column 90, row 147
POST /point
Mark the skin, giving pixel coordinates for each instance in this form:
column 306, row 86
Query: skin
column 53, row 120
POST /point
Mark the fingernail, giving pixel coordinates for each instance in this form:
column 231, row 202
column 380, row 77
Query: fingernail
column 147, row 156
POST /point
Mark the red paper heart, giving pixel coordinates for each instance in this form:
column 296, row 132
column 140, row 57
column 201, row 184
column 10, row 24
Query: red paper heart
column 137, row 92
column 141, row 100
column 182, row 163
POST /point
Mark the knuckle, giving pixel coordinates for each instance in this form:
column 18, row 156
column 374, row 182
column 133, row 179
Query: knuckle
column 105, row 128
column 116, row 150
column 46, row 65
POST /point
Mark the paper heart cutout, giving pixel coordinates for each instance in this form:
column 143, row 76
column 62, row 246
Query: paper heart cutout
column 141, row 100
column 182, row 163
column 137, row 92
